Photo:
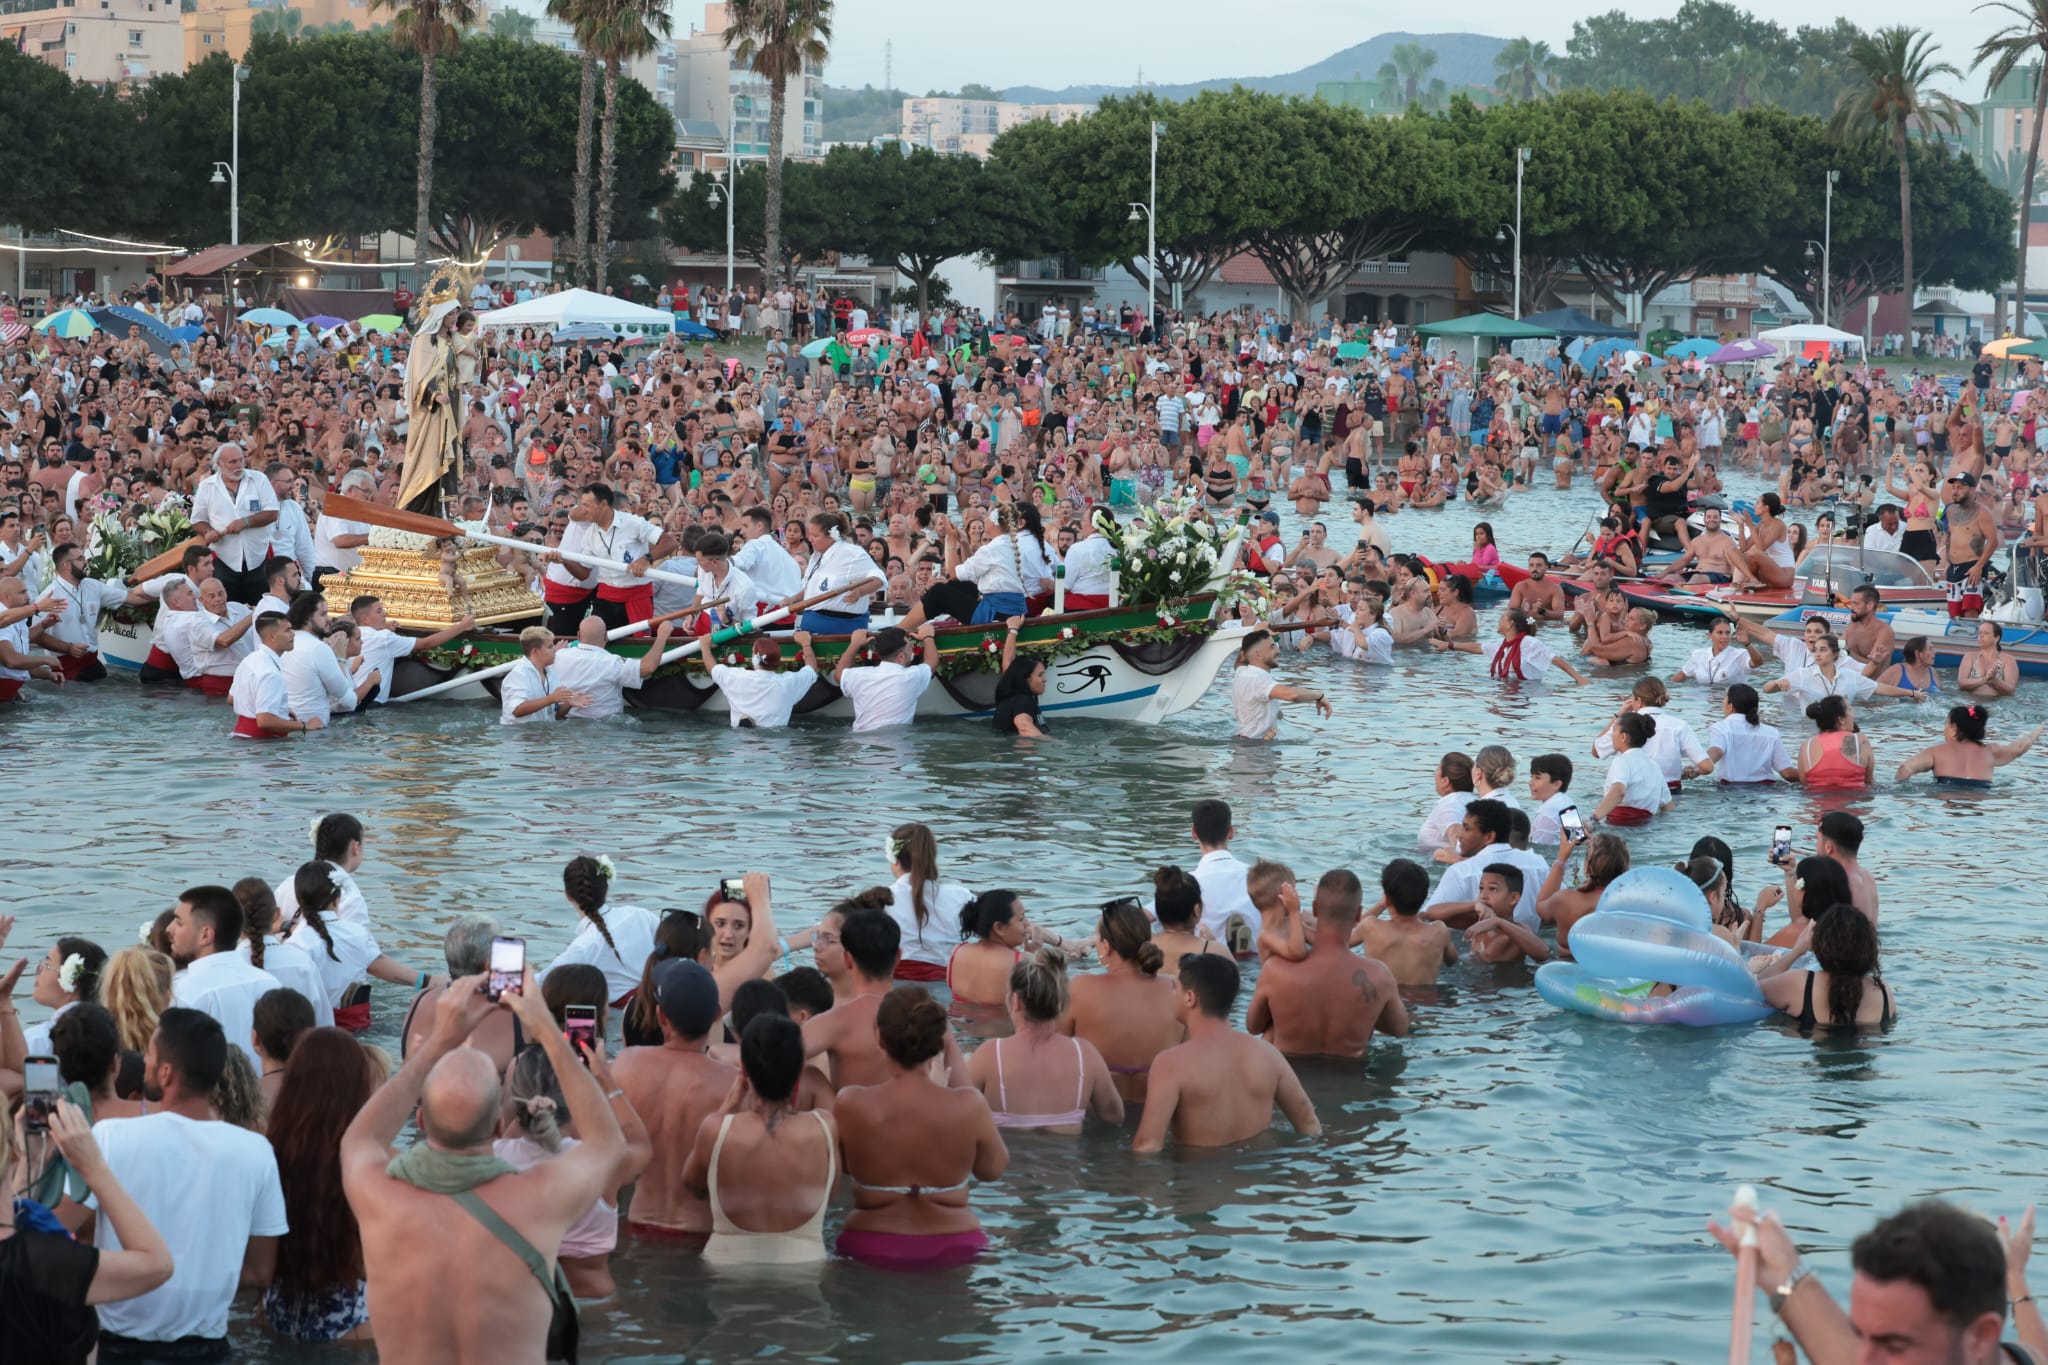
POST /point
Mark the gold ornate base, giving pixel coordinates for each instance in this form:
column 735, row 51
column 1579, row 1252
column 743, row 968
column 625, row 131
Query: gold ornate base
column 408, row 582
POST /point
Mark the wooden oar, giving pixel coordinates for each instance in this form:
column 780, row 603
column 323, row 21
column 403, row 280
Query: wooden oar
column 1745, row 1278
column 1320, row 623
column 497, row 670
column 163, row 563
column 420, row 524
column 799, row 607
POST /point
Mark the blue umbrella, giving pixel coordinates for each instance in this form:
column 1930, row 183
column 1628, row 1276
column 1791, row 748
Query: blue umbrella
column 1596, row 353
column 269, row 317
column 1693, row 348
column 696, row 331
column 188, row 333
column 116, row 319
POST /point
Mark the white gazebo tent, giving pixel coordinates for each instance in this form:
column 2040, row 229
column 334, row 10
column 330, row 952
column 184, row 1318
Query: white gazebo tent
column 1800, row 334
column 550, row 312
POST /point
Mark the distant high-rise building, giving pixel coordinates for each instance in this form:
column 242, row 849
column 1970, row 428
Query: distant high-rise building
column 714, row 85
column 114, row 41
column 967, row 127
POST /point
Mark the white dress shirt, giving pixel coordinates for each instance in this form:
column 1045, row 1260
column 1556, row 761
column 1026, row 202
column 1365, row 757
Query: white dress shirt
column 79, row 608
column 632, row 929
column 596, row 671
column 292, row 537
column 1221, row 875
column 884, row 694
column 315, row 680
column 1460, row 881
column 526, row 682
column 382, row 649
column 208, row 654
column 174, row 635
column 1543, row 826
column 1251, row 696
column 1875, row 537
column 618, row 545
column 1749, row 753
column 223, row 985
column 352, row 907
column 1730, row 666
column 259, row 686
column 328, row 555
column 932, row 944
column 1445, row 816
column 294, row 970
column 1089, row 570
column 1672, row 744
column 771, row 567
column 215, row 504
column 762, row 696
column 841, row 566
column 1640, row 779
column 743, row 596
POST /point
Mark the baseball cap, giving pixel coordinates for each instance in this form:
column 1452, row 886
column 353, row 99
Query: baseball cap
column 1966, row 479
column 688, row 997
column 1271, row 517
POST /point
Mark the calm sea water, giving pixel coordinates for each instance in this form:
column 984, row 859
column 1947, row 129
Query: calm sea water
column 1512, row 1183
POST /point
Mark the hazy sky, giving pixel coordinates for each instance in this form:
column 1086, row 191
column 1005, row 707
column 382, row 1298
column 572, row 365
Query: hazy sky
column 1073, row 42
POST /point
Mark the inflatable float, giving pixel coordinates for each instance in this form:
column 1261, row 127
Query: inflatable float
column 1653, row 926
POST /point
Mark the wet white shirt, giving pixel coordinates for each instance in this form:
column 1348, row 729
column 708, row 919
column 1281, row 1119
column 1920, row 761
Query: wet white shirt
column 1640, row 779
column 1749, row 753
column 1251, row 695
column 632, row 929
column 1672, row 744
column 766, row 698
column 314, row 679
column 1730, row 666
column 597, row 672
column 224, row 986
column 885, row 694
column 526, row 682
column 933, row 944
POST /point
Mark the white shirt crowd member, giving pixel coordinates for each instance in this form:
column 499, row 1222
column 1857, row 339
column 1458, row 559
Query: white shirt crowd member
column 632, row 929
column 355, row 948
column 226, row 987
column 933, row 944
column 595, row 671
column 315, row 680
column 1749, row 753
column 293, row 967
column 526, row 682
column 771, row 567
column 1221, row 875
column 1444, row 816
column 215, row 504
column 764, row 696
column 1460, row 881
column 328, row 555
column 885, row 694
column 1730, row 666
column 259, row 688
column 352, row 906
column 627, row 539
column 1641, row 780
column 1251, row 696
column 1089, row 572
column 382, row 649
column 841, row 566
column 79, row 607
column 1543, row 825
column 1671, row 746
column 209, row 655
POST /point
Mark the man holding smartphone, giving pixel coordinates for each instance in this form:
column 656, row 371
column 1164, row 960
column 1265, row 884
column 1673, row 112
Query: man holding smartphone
column 495, row 1231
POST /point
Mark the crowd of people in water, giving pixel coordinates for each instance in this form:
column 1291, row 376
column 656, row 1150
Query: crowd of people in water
column 199, row 1114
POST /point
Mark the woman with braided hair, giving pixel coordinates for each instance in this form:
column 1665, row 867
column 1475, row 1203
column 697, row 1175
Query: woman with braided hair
column 987, row 585
column 343, row 950
column 613, row 938
column 263, row 945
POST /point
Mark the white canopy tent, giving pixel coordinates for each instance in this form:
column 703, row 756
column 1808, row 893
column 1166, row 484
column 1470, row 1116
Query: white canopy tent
column 574, row 306
column 1800, row 333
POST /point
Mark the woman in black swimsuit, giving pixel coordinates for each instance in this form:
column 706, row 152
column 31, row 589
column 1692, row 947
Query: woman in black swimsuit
column 1845, row 942
column 1220, row 479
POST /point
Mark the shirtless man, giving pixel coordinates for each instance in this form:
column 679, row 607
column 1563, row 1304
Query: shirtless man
column 1840, row 836
column 1219, row 1087
column 1618, row 635
column 1310, row 491
column 1599, row 579
column 1329, row 1004
column 1868, row 640
column 1370, row 532
column 1416, row 950
column 845, row 1034
column 1538, row 596
column 1314, row 548
column 1712, row 556
column 1972, row 539
column 1411, row 620
column 673, row 1088
column 442, row 1285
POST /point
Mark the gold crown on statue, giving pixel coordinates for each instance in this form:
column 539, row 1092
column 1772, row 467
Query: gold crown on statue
column 446, row 285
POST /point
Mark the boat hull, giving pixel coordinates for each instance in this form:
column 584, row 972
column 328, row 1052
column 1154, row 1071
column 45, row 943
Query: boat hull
column 1949, row 640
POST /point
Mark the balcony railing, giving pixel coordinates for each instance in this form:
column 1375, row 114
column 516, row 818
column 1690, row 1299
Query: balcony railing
column 1383, row 267
column 1052, row 268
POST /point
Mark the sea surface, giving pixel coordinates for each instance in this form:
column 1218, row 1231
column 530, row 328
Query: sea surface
column 1512, row 1183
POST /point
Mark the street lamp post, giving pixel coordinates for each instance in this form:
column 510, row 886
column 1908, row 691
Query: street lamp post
column 732, row 148
column 233, row 168
column 1521, row 160
column 1150, row 211
column 1827, row 261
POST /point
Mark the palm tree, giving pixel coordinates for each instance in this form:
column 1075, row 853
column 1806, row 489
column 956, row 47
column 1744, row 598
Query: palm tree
column 1895, row 102
column 2004, row 49
column 432, row 28
column 1407, row 72
column 621, row 31
column 582, row 16
column 1740, row 75
column 777, row 39
column 1527, row 70
column 510, row 23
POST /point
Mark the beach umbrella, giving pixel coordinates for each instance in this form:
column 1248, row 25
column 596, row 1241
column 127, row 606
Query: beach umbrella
column 1353, row 350
column 1693, row 348
column 380, row 322
column 696, row 331
column 1742, row 352
column 872, row 336
column 269, row 317
column 116, row 319
column 68, row 322
column 324, row 323
column 188, row 333
column 2037, row 349
column 2005, row 347
column 1596, row 352
column 817, row 348
column 276, row 339
column 1396, row 352
column 11, row 332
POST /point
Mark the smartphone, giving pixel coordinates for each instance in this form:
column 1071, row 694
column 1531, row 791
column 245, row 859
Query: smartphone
column 733, row 889
column 41, row 1085
column 508, row 966
column 1781, row 843
column 579, row 1025
column 1570, row 825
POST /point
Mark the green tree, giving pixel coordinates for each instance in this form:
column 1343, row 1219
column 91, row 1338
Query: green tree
column 510, row 23
column 1894, row 102
column 65, row 144
column 582, row 17
column 694, row 218
column 1526, row 70
column 777, row 39
column 1711, row 51
column 288, row 24
column 1406, row 74
column 920, row 210
column 623, row 31
column 2026, row 37
column 434, row 29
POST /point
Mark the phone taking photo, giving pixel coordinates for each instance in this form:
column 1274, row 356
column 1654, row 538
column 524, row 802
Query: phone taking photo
column 579, row 1026
column 508, row 967
column 733, row 889
column 41, row 1085
column 1571, row 825
column 1781, row 843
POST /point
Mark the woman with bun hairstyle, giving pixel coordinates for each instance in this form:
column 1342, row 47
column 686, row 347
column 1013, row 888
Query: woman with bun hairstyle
column 912, row 1148
column 1038, row 1078
column 1177, row 903
column 1127, row 1009
column 1838, row 758
column 995, row 933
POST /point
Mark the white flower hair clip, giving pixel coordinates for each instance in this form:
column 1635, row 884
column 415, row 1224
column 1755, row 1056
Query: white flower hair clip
column 74, row 967
column 148, row 928
column 315, row 830
column 604, row 865
column 334, row 876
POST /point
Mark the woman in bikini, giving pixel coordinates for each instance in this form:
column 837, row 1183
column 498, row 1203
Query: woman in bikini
column 1127, row 1010
column 912, row 1148
column 1038, row 1077
column 997, row 935
column 1840, row 994
column 1177, row 901
column 1921, row 499
column 1767, row 553
column 1962, row 759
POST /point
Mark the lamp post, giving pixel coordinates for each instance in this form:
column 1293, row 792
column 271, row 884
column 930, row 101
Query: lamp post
column 732, row 149
column 1827, row 238
column 1150, row 208
column 233, row 168
column 1521, row 160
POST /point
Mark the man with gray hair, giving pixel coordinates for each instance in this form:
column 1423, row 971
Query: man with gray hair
column 233, row 510
column 291, row 537
column 335, row 541
column 468, row 949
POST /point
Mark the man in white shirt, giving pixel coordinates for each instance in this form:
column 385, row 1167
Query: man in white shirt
column 177, row 602
column 762, row 697
column 762, row 559
column 290, row 536
column 628, row 546
column 209, row 1188
column 337, row 543
column 261, row 697
column 221, row 637
column 529, row 692
column 212, row 977
column 1227, row 910
column 18, row 556
column 281, row 581
column 1482, row 840
column 886, row 693
column 601, row 676
column 383, row 647
column 1256, row 696
column 1886, row 533
column 233, row 510
column 74, row 637
column 1089, row 575
column 316, row 674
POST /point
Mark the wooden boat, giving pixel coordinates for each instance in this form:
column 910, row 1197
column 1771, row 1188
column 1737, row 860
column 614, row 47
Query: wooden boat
column 1950, row 640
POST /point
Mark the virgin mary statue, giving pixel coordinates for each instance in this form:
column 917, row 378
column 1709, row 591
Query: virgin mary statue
column 445, row 359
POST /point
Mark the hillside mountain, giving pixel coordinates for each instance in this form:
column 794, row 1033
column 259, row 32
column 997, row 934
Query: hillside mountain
column 1462, row 59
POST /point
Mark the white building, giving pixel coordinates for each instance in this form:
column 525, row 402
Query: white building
column 957, row 126
column 714, row 85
